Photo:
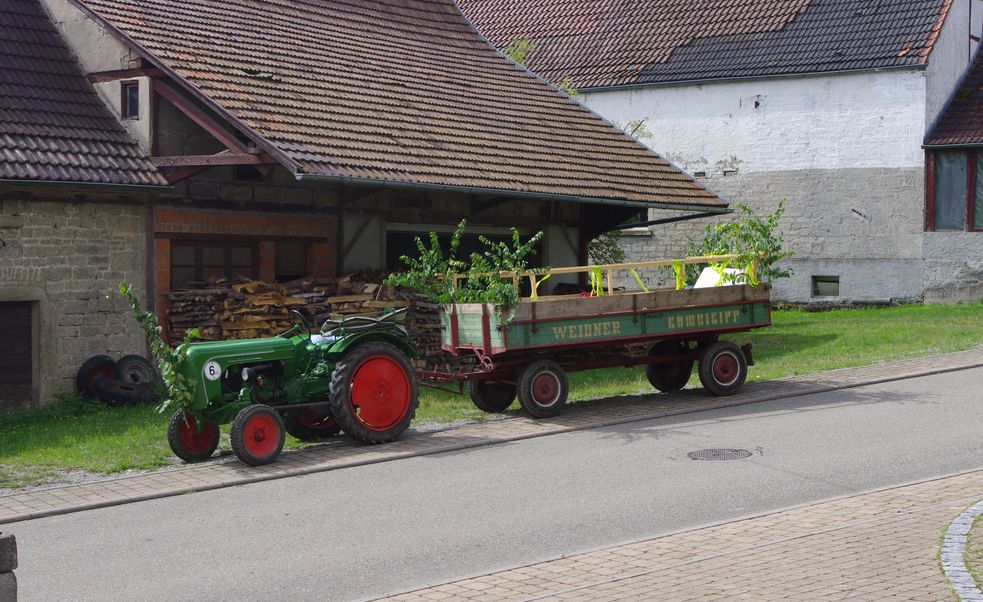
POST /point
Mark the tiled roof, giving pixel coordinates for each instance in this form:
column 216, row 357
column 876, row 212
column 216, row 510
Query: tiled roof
column 604, row 43
column 961, row 122
column 402, row 91
column 53, row 126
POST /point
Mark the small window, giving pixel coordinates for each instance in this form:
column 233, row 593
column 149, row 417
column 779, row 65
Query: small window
column 950, row 191
column 130, row 105
column 825, row 286
column 196, row 262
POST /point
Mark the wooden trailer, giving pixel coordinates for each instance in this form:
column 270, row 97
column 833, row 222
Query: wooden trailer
column 529, row 351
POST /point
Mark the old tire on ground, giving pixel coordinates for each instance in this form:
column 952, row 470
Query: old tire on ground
column 543, row 389
column 723, row 368
column 491, row 396
column 137, row 371
column 670, row 377
column 374, row 392
column 187, row 441
column 93, row 370
column 308, row 427
column 119, row 392
column 257, row 434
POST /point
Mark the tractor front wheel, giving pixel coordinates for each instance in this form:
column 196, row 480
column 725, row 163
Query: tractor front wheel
column 491, row 396
column 308, row 427
column 257, row 435
column 374, row 392
column 188, row 441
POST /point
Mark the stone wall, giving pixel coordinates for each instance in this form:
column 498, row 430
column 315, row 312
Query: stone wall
column 863, row 225
column 69, row 259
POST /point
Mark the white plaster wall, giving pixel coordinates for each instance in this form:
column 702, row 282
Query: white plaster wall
column 95, row 48
column 561, row 251
column 861, row 120
column 141, row 128
column 98, row 50
column 366, row 252
column 949, row 58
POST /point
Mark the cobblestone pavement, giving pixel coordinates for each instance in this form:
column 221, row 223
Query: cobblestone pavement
column 73, row 498
column 875, row 546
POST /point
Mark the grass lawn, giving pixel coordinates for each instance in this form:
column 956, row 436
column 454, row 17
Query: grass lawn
column 41, row 443
column 974, row 551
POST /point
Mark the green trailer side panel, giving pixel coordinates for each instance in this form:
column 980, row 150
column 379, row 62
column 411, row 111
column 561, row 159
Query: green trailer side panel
column 667, row 323
column 650, row 324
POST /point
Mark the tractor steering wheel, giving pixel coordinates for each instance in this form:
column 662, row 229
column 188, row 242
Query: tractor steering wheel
column 303, row 320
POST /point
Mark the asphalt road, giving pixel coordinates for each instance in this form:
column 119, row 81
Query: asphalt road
column 378, row 529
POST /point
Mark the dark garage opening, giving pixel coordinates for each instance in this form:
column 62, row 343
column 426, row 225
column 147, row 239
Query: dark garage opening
column 16, row 353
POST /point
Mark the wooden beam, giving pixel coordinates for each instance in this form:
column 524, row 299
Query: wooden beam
column 111, row 76
column 210, row 160
column 196, row 114
column 184, row 173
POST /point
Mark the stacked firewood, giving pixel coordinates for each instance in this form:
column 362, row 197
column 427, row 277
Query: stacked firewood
column 238, row 308
column 196, row 308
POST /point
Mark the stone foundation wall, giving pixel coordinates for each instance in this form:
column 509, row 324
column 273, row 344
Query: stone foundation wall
column 69, row 258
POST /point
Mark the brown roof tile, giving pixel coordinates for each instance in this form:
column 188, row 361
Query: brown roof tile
column 53, row 126
column 603, row 43
column 402, row 91
column 961, row 122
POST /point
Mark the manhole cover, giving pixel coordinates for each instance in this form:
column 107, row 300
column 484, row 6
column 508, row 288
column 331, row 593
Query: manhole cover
column 719, row 454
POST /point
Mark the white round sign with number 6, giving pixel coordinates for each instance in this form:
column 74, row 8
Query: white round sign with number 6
column 212, row 370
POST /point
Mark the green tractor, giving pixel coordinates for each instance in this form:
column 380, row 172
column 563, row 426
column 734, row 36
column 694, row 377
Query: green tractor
column 352, row 376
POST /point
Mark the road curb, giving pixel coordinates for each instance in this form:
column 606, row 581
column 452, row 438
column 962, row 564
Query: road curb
column 953, row 555
column 814, row 385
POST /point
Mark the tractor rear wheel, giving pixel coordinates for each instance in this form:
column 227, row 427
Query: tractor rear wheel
column 543, row 389
column 672, row 376
column 723, row 368
column 491, row 396
column 308, row 427
column 257, row 435
column 374, row 392
column 188, row 441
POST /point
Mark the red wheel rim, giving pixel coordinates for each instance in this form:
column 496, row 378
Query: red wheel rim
column 726, row 368
column 545, row 388
column 193, row 440
column 261, row 435
column 380, row 393
column 315, row 422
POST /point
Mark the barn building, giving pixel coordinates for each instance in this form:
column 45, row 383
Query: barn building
column 163, row 142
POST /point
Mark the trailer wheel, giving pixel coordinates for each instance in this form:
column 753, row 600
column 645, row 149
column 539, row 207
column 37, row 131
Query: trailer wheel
column 257, row 435
column 723, row 368
column 187, row 441
column 491, row 396
column 673, row 376
column 543, row 389
column 374, row 392
column 308, row 427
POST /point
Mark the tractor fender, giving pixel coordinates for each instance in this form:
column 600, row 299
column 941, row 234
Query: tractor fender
column 341, row 347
